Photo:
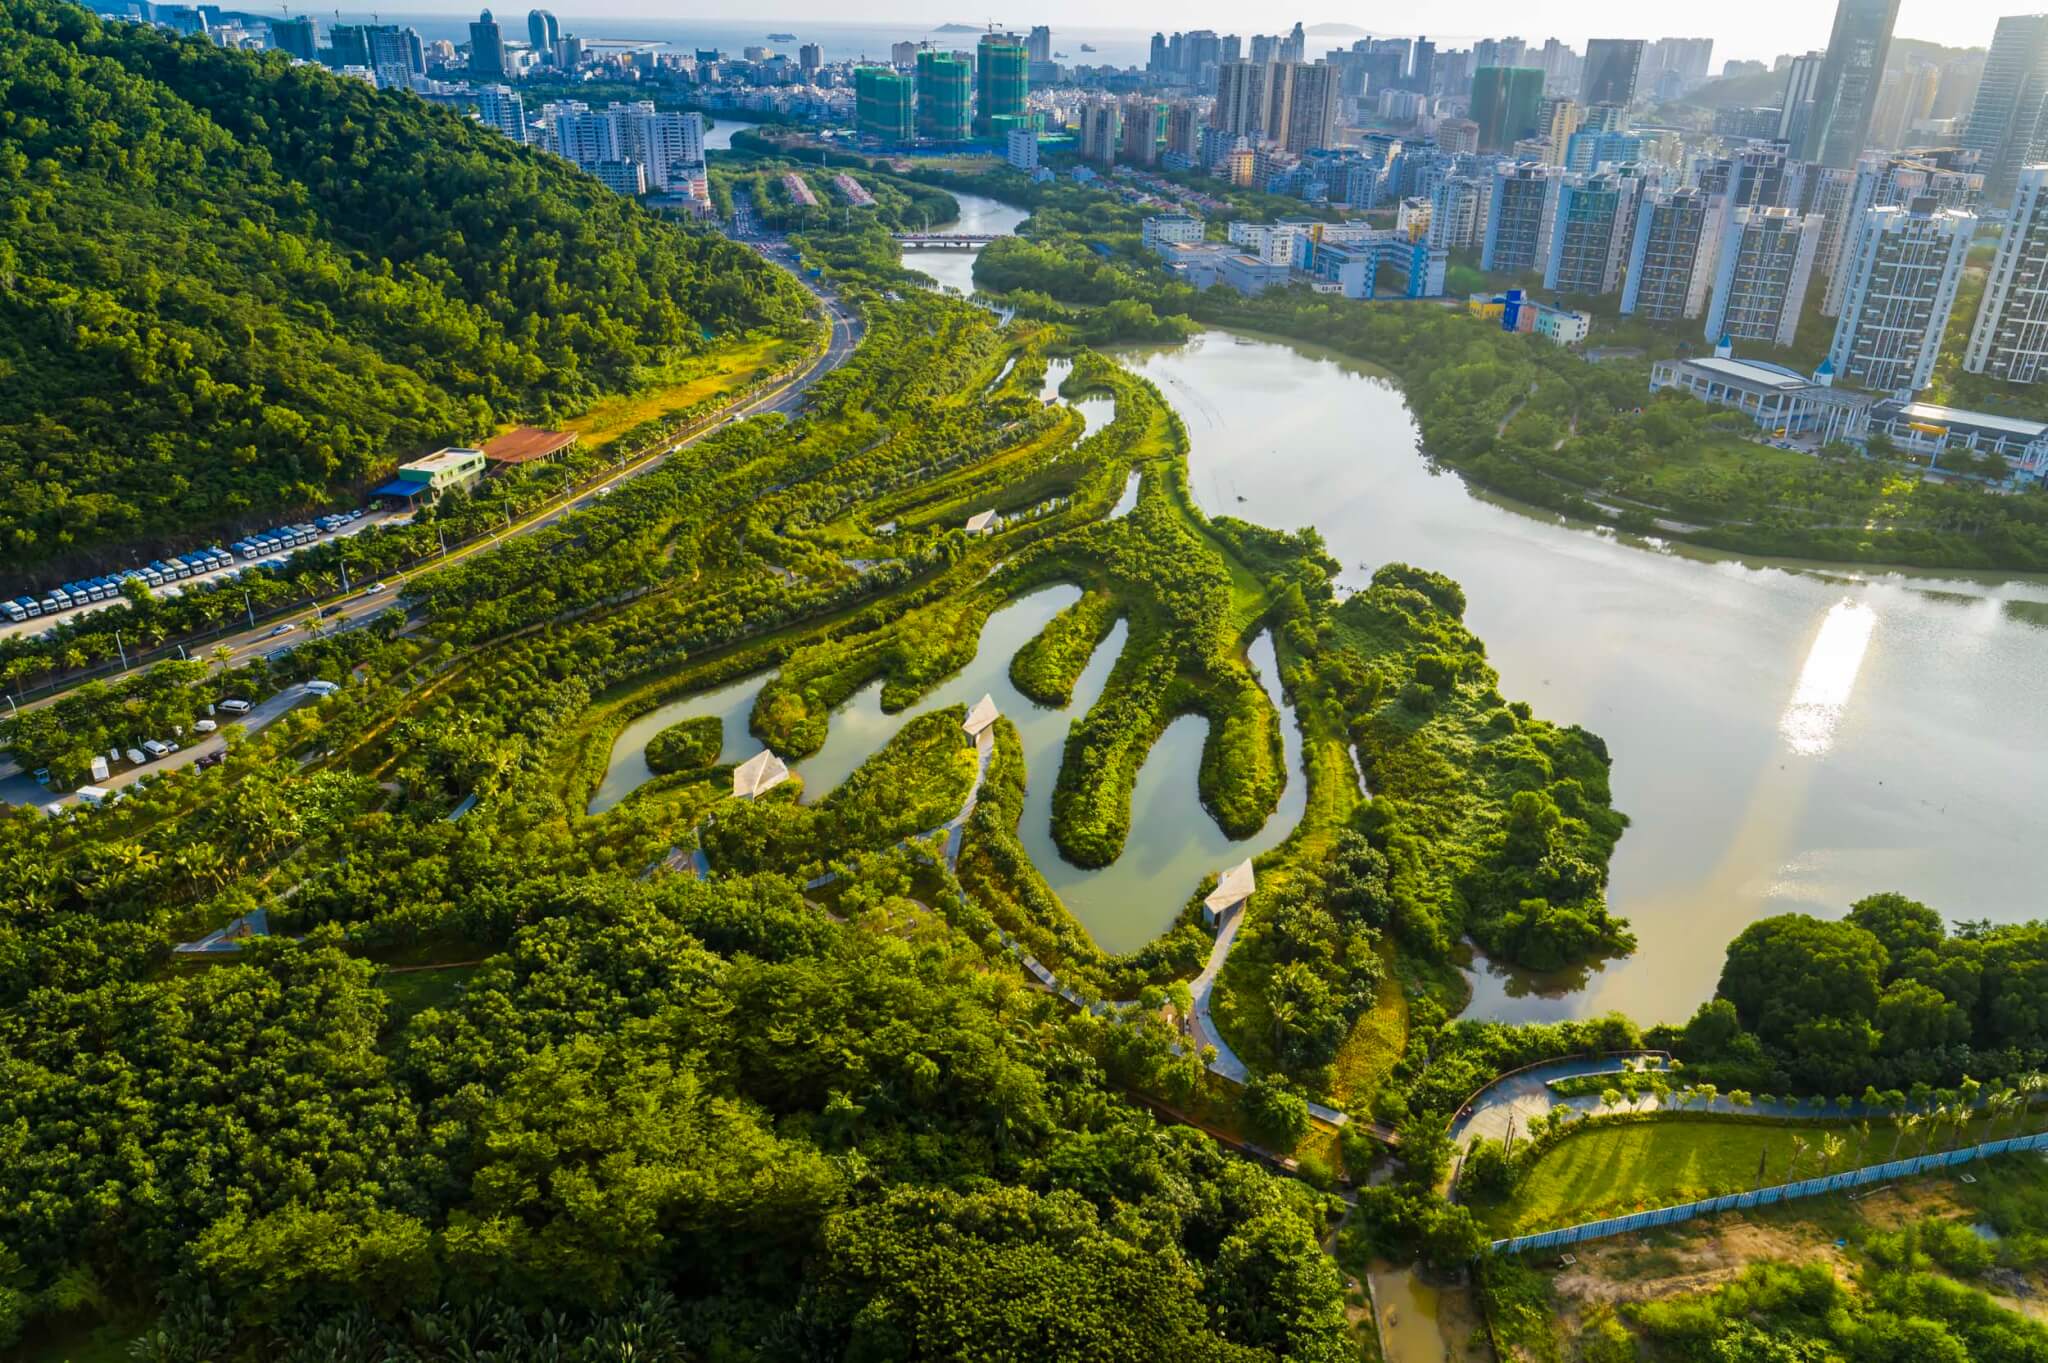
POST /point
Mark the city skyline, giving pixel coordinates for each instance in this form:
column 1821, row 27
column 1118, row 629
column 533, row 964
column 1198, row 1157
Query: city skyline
column 1741, row 29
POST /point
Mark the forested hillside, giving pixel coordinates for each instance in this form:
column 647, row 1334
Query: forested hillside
column 230, row 286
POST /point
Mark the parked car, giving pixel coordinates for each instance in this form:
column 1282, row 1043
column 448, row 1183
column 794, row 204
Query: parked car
column 204, row 726
column 235, row 707
column 212, row 759
column 156, row 747
column 135, row 757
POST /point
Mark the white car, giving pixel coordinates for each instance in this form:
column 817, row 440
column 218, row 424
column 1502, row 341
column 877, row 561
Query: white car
column 204, row 726
column 373, row 589
column 286, row 628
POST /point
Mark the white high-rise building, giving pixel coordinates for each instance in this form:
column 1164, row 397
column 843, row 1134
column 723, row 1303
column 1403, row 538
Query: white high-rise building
column 1765, row 264
column 670, row 145
column 1902, row 286
column 500, row 107
column 2009, row 339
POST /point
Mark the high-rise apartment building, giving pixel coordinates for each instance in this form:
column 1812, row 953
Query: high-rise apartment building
column 1612, row 67
column 1138, row 139
column 1902, row 286
column 1795, row 110
column 1311, row 107
column 945, row 97
column 2008, row 125
column 500, row 107
column 1845, row 91
column 1671, row 255
column 1590, row 238
column 2009, row 339
column 1184, row 130
column 1294, row 47
column 1505, row 105
column 1557, row 118
column 577, row 134
column 1101, row 129
column 1521, row 213
column 1240, row 107
column 299, row 36
column 1457, row 212
column 487, row 49
column 1290, row 103
column 903, row 54
column 1905, row 97
column 543, row 32
column 1422, row 64
column 810, row 59
column 884, row 103
column 1038, row 46
column 1002, row 79
column 387, row 48
column 1766, row 262
column 1883, row 181
column 670, row 145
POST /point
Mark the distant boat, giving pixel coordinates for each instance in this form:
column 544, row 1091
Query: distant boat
column 1059, row 56
column 782, row 37
column 1087, row 47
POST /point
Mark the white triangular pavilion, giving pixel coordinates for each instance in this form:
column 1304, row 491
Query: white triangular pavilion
column 1235, row 887
column 981, row 716
column 981, row 522
column 761, row 772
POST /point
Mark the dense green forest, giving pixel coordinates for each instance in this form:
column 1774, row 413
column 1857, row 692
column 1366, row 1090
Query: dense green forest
column 235, row 286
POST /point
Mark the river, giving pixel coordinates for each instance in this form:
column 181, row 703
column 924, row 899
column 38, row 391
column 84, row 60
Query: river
column 1786, row 738
column 718, row 137
column 979, row 215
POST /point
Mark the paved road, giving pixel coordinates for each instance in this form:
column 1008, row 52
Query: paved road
column 23, row 790
column 357, row 610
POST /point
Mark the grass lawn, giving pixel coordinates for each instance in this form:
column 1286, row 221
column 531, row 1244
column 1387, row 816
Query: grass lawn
column 693, row 380
column 415, row 991
column 1608, row 1171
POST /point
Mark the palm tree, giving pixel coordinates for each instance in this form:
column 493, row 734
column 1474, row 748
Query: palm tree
column 1831, row 1148
column 1798, row 1153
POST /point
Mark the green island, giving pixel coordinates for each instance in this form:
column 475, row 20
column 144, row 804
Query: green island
column 691, row 745
column 499, row 1058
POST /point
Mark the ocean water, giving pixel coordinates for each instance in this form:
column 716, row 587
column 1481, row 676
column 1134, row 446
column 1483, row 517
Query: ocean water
column 838, row 41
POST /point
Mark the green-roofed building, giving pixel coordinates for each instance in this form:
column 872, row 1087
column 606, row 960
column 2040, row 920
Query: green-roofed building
column 945, row 97
column 882, row 103
column 1002, row 79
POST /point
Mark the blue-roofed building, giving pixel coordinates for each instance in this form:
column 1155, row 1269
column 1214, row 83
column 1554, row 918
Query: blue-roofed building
column 424, row 480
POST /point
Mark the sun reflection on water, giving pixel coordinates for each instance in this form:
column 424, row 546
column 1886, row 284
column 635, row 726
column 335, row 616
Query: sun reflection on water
column 1828, row 678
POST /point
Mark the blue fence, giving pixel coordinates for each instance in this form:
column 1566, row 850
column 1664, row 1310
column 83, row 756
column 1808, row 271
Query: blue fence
column 1765, row 1197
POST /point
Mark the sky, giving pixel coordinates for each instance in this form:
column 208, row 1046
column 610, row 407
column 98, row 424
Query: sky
column 1739, row 28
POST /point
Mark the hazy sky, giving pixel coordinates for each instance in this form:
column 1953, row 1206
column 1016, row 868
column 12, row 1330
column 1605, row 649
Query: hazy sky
column 1739, row 28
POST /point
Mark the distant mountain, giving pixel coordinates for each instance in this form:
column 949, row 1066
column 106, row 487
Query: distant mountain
column 233, row 286
column 958, row 28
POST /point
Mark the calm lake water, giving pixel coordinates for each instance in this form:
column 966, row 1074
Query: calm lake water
column 1785, row 737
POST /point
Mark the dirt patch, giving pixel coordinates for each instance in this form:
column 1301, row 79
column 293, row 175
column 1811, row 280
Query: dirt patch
column 1698, row 1258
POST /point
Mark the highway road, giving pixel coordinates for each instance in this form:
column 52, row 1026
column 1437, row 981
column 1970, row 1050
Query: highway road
column 358, row 608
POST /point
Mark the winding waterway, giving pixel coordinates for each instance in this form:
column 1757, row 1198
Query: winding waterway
column 1786, row 737
column 980, row 216
column 1173, row 842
